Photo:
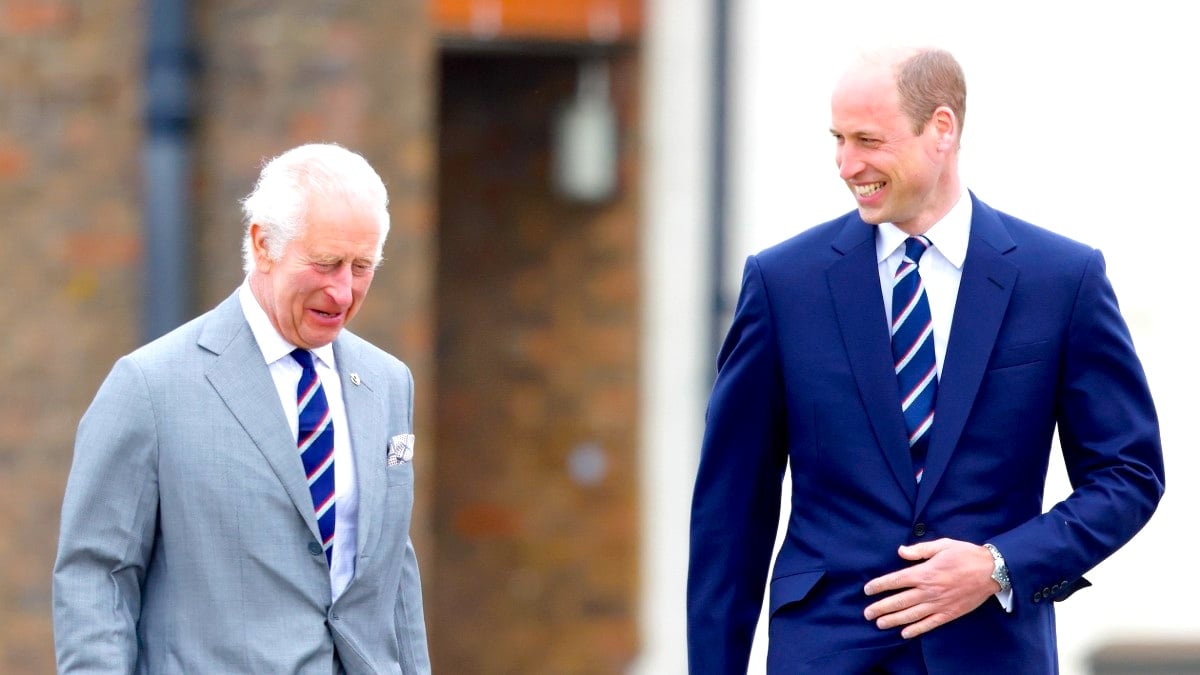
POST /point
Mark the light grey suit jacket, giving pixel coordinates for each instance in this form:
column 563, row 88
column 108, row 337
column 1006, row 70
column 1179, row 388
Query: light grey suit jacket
column 187, row 526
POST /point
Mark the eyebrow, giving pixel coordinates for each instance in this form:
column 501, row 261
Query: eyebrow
column 333, row 259
column 856, row 134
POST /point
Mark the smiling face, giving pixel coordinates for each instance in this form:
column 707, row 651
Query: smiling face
column 318, row 284
column 896, row 176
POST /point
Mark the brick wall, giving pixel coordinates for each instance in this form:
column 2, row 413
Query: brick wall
column 69, row 140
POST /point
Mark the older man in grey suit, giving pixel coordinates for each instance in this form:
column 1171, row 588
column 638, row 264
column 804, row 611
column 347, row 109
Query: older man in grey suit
column 241, row 491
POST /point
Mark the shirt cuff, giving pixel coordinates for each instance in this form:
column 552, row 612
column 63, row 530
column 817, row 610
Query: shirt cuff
column 1005, row 598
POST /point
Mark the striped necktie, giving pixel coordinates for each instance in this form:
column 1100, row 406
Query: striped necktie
column 912, row 347
column 314, row 440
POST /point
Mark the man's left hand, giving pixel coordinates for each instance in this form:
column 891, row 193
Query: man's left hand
column 954, row 579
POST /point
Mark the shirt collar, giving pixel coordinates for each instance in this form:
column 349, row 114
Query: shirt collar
column 270, row 342
column 949, row 235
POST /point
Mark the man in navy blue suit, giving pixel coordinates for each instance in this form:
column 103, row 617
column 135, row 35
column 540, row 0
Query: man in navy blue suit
column 917, row 540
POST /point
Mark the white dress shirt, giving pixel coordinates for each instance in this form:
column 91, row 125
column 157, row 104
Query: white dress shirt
column 940, row 267
column 941, row 271
column 286, row 372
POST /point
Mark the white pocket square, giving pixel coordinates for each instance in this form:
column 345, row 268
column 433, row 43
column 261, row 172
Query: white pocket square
column 400, row 449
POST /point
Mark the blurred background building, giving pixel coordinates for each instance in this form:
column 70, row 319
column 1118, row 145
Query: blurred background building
column 574, row 184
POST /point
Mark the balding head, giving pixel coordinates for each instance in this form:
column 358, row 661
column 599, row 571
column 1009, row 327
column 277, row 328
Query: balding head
column 925, row 79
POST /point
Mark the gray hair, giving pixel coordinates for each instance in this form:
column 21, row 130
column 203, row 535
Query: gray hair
column 280, row 199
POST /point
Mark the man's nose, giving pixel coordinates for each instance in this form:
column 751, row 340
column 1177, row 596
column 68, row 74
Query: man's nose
column 849, row 165
column 340, row 288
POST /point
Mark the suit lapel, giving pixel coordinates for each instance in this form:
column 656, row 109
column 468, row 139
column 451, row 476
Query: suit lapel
column 986, row 287
column 854, row 286
column 368, row 439
column 242, row 380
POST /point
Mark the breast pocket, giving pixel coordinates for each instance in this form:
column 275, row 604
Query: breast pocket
column 1011, row 356
column 399, row 501
column 400, row 475
column 399, row 459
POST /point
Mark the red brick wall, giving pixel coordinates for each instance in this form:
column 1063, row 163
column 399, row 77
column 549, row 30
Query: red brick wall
column 69, row 142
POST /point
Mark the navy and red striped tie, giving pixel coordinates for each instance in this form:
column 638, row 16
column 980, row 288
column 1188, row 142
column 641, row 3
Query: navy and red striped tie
column 314, row 440
column 912, row 347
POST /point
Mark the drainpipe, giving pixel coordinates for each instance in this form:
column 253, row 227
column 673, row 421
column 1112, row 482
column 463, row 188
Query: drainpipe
column 166, row 165
column 718, row 192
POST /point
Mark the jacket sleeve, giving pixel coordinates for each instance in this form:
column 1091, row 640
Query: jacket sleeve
column 1108, row 431
column 735, row 507
column 410, row 617
column 106, row 534
column 410, row 609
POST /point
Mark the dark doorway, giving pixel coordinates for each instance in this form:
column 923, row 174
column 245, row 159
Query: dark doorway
column 535, row 500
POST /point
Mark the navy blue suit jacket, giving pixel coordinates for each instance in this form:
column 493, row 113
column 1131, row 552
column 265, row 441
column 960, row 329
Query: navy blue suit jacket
column 805, row 376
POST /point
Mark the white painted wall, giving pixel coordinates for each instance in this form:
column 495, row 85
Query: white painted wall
column 674, row 375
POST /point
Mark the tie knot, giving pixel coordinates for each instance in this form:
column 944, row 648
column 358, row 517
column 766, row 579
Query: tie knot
column 914, row 248
column 304, row 358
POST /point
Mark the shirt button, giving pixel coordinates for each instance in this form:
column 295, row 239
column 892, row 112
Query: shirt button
column 314, row 548
column 919, row 530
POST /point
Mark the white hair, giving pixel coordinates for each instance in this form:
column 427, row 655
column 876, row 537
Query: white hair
column 287, row 183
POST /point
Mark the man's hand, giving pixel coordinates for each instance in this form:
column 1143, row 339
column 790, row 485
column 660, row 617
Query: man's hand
column 955, row 578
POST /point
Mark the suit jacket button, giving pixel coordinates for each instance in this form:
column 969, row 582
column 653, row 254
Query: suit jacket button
column 314, row 548
column 919, row 530
column 1037, row 597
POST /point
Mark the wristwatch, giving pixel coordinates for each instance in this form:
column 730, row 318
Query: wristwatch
column 1000, row 571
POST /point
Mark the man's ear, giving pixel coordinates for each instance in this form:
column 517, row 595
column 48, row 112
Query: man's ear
column 945, row 125
column 258, row 242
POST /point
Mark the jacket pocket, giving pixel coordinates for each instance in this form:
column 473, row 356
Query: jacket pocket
column 792, row 588
column 399, row 474
column 1019, row 355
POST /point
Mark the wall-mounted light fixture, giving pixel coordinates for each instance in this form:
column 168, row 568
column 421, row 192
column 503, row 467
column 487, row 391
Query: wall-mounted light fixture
column 585, row 144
